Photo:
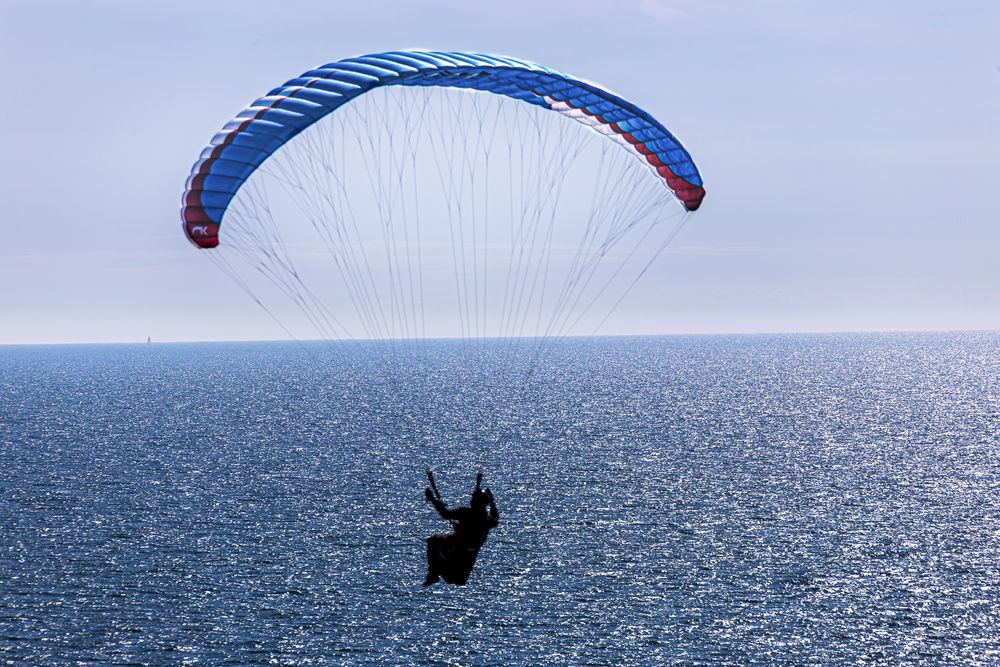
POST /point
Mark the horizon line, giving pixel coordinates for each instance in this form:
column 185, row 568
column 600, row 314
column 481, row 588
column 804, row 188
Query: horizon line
column 495, row 338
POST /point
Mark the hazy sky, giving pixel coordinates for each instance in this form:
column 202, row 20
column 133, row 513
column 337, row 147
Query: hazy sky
column 851, row 151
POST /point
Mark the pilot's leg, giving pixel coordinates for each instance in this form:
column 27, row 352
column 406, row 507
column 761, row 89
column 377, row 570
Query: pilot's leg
column 434, row 558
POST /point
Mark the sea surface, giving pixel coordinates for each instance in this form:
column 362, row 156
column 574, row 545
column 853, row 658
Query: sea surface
column 778, row 499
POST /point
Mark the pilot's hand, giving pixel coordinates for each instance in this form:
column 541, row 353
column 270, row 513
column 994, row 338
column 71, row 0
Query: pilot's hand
column 429, row 495
column 479, row 478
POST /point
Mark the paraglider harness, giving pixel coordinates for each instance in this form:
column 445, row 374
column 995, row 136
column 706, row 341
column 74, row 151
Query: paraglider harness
column 452, row 557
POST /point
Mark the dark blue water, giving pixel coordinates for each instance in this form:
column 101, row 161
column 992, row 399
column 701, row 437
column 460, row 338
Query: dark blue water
column 731, row 499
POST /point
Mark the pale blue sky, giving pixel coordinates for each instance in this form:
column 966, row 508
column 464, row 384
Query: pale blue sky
column 851, row 151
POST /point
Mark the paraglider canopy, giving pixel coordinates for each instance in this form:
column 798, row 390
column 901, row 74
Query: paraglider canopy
column 268, row 123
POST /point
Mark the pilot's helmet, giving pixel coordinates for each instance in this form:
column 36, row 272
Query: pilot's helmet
column 479, row 499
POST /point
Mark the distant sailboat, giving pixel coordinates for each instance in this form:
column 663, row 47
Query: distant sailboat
column 149, row 340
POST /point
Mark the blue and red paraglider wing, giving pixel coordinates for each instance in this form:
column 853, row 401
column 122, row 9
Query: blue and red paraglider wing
column 268, row 123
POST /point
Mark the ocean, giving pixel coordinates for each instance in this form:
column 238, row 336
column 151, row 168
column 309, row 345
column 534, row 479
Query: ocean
column 756, row 499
